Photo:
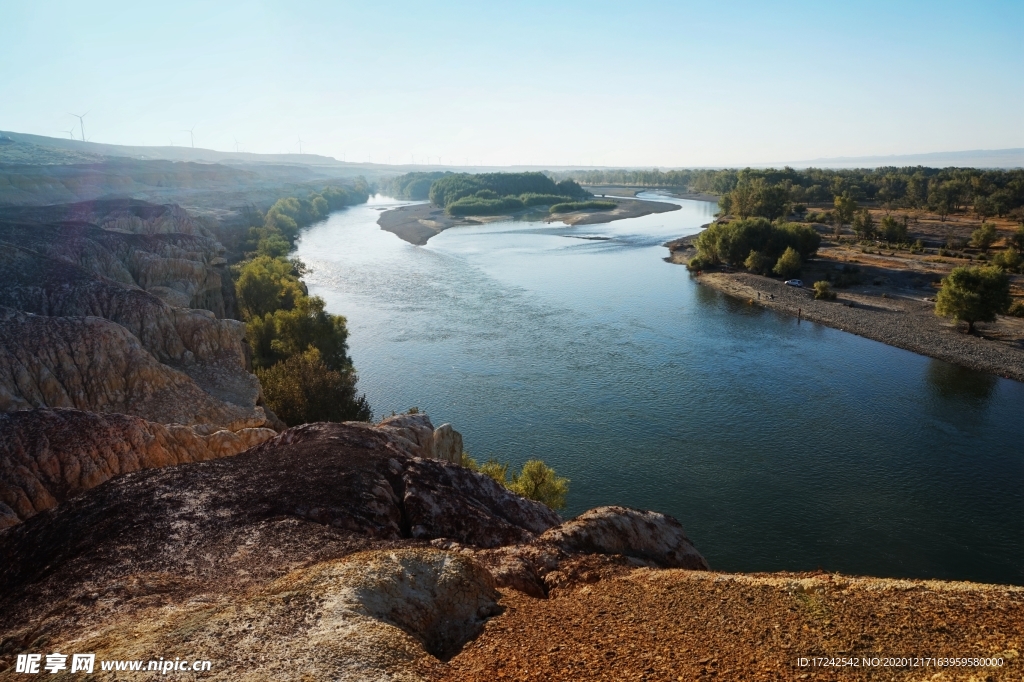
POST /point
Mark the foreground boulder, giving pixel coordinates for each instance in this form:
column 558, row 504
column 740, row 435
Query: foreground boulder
column 327, row 544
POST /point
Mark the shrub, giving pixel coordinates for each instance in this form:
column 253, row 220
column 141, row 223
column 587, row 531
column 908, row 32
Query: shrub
column 536, row 481
column 302, row 389
column 823, row 291
column 758, row 263
column 1017, row 309
column 789, row 263
column 696, row 263
column 1008, row 260
column 984, row 236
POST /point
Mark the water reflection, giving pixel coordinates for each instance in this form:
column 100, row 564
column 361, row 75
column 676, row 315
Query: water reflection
column 957, row 384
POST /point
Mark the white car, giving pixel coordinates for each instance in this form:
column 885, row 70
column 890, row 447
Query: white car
column 795, row 282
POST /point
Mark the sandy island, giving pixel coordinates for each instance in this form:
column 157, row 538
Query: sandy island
column 894, row 303
column 416, row 224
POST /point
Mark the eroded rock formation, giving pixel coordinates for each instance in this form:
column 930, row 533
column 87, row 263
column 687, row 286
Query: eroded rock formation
column 184, row 270
column 48, row 456
column 89, row 363
column 322, row 546
column 160, row 360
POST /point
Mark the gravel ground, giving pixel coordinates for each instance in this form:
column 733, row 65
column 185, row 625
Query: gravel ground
column 904, row 321
column 690, row 625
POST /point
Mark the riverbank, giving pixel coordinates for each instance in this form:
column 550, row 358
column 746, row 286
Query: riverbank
column 417, row 223
column 902, row 320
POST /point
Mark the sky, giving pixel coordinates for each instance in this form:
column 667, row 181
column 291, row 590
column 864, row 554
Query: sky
column 542, row 83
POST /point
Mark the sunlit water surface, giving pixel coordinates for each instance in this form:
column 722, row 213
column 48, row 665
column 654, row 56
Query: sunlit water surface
column 780, row 446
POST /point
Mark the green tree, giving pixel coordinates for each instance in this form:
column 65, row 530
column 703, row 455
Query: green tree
column 742, row 199
column 302, row 389
column 974, row 295
column 864, row 225
column 984, row 236
column 279, row 335
column 789, row 263
column 266, row 284
column 843, row 210
column 983, row 208
column 894, row 231
column 1017, row 239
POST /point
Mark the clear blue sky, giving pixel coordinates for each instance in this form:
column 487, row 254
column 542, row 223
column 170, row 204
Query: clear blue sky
column 637, row 83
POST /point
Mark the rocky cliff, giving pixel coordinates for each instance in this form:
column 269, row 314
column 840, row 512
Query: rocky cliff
column 48, row 456
column 184, row 270
column 108, row 325
column 92, row 364
column 324, row 552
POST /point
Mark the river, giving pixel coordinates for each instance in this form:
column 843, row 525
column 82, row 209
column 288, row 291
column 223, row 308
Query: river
column 778, row 445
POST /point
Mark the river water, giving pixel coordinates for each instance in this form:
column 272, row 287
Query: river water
column 778, row 445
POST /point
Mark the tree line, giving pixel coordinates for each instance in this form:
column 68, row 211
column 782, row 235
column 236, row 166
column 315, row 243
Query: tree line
column 414, row 186
column 496, row 193
column 299, row 350
column 945, row 190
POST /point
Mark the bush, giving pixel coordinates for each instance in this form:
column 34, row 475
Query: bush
column 789, row 264
column 984, row 236
column 696, row 263
column 823, row 291
column 536, row 481
column 302, row 389
column 758, row 263
column 1017, row 309
column 1008, row 260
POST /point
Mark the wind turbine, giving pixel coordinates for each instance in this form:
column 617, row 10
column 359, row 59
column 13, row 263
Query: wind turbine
column 300, row 144
column 81, row 122
column 191, row 136
column 70, row 132
column 236, row 144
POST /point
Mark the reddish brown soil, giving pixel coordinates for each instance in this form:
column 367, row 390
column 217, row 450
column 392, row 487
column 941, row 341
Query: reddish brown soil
column 689, row 625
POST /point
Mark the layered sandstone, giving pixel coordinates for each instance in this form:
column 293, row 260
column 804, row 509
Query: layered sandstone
column 184, row 270
column 48, row 456
column 93, row 364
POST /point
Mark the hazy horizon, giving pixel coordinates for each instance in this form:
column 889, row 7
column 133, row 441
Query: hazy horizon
column 586, row 84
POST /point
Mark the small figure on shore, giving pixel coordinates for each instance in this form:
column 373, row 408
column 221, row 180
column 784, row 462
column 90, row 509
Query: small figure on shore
column 799, row 315
column 771, row 297
column 759, row 295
